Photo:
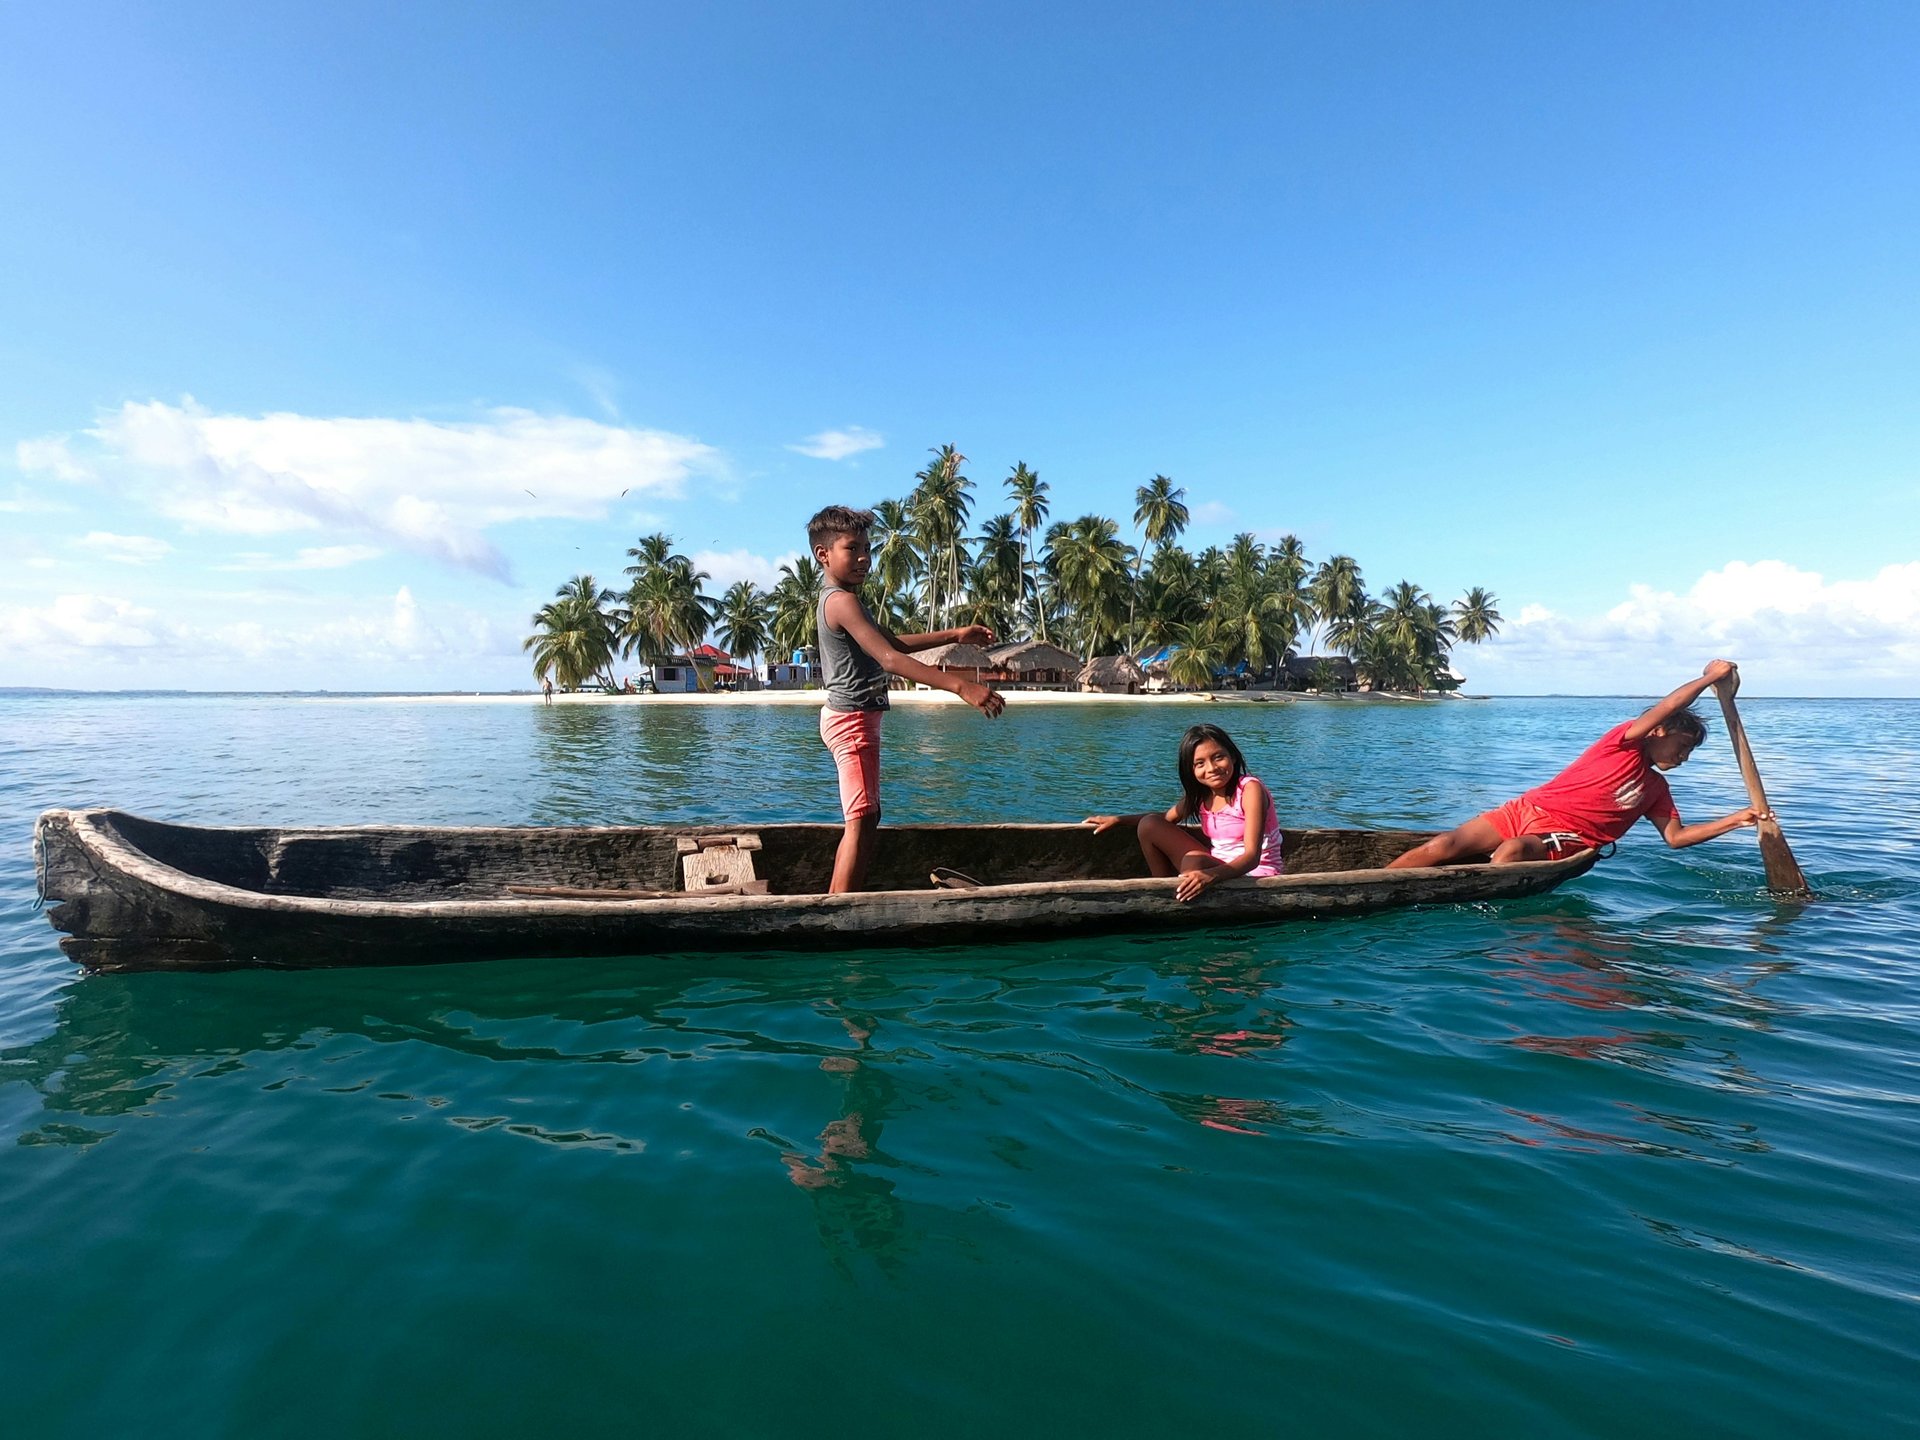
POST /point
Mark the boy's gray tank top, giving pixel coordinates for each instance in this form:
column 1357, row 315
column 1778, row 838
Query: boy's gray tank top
column 855, row 680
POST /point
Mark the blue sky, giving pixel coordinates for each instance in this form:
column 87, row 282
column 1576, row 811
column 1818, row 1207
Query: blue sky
column 1608, row 308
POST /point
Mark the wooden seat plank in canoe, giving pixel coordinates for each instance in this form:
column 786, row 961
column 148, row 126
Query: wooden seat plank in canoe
column 133, row 894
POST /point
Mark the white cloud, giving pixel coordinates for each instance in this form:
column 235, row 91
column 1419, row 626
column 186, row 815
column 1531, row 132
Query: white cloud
column 83, row 622
column 839, row 444
column 51, row 455
column 20, row 551
column 106, row 639
column 728, row 566
column 21, row 503
column 318, row 557
column 1211, row 512
column 433, row 487
column 400, row 631
column 1791, row 631
column 124, row 549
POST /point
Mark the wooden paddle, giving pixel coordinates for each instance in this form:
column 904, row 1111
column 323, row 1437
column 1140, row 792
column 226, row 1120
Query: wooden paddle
column 1783, row 871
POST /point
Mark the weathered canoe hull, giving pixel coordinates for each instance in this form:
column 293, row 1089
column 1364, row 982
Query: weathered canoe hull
column 135, row 894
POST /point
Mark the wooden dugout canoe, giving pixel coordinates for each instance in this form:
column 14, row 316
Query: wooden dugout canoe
column 138, row 894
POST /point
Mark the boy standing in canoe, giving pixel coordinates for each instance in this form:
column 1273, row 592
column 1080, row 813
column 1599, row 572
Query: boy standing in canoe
column 858, row 656
column 1595, row 800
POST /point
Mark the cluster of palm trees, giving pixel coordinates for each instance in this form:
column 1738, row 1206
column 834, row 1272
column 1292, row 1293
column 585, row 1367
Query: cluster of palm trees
column 579, row 633
column 1076, row 583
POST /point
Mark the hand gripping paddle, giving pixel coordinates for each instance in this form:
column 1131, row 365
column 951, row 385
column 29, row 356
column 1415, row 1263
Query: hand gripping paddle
column 1783, row 871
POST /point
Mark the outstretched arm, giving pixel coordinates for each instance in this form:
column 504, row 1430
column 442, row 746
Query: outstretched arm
column 963, row 635
column 1680, row 836
column 1659, row 714
column 843, row 610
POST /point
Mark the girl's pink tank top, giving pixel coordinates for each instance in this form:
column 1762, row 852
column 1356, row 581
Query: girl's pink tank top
column 1227, row 829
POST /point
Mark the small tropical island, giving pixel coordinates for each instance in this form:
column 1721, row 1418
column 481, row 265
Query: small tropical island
column 1079, row 607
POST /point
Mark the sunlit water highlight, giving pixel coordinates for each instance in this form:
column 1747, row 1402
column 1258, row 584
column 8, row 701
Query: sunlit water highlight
column 1636, row 1158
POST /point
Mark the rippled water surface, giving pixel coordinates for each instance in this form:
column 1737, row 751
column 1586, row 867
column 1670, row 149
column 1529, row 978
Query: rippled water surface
column 1638, row 1158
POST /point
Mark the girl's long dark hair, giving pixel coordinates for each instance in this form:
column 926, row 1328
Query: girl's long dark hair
column 1194, row 792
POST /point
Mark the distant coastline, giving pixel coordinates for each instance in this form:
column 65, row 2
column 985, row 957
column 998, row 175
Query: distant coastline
column 815, row 698
column 744, row 698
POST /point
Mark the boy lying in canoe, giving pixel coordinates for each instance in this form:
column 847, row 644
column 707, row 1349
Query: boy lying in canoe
column 1595, row 800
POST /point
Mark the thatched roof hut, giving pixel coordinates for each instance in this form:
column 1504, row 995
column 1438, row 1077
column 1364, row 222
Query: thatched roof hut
column 1112, row 675
column 1034, row 664
column 1022, row 656
column 957, row 656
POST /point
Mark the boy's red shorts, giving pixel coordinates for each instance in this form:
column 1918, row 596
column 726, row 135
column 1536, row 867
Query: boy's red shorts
column 1523, row 817
column 852, row 737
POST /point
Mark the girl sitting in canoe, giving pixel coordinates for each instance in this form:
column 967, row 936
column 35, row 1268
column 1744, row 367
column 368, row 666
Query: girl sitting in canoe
column 1235, row 812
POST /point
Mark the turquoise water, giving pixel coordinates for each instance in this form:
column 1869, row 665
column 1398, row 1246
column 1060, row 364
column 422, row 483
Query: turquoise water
column 1637, row 1158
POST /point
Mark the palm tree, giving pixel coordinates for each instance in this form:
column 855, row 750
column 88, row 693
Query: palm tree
column 649, row 551
column 1406, row 616
column 1378, row 661
column 1254, row 616
column 900, row 613
column 666, row 610
column 744, row 620
column 795, row 604
column 1408, row 644
column 1246, row 559
column 1089, row 561
column 1346, row 632
column 1340, row 599
column 1290, row 555
column 998, row 579
column 1029, row 494
column 1170, row 596
column 1160, row 511
column 1287, row 574
column 939, row 507
column 1199, row 651
column 896, row 560
column 573, row 637
column 1212, row 566
column 1287, row 562
column 1475, row 617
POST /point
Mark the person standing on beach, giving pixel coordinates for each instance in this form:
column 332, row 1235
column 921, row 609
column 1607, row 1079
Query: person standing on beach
column 858, row 656
column 1595, row 800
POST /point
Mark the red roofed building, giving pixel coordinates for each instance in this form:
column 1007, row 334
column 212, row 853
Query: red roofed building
column 716, row 662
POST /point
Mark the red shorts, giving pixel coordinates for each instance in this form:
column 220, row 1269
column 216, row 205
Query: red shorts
column 853, row 739
column 1522, row 817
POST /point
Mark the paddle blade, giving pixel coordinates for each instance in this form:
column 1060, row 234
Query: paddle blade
column 1783, row 871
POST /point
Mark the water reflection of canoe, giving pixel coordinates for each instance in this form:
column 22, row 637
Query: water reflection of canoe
column 137, row 894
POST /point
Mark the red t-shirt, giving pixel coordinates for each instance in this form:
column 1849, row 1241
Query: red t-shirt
column 1610, row 786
